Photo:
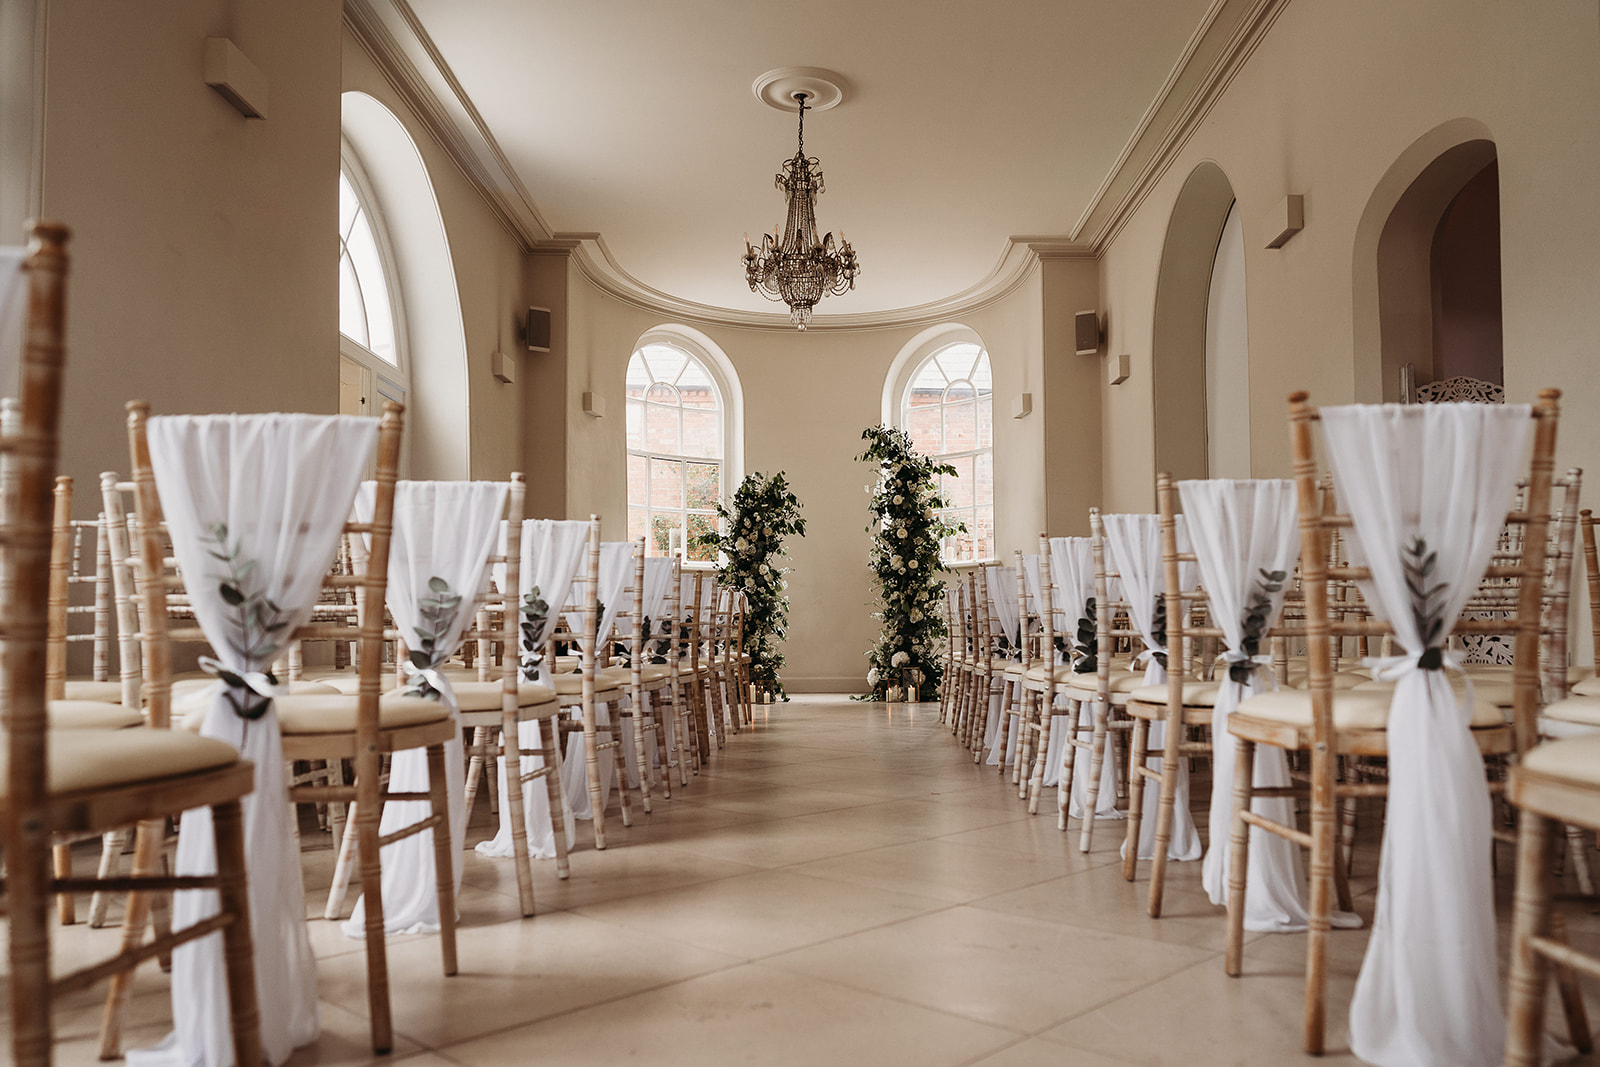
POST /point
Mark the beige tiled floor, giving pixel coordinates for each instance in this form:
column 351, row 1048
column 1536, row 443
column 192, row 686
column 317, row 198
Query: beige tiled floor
column 840, row 886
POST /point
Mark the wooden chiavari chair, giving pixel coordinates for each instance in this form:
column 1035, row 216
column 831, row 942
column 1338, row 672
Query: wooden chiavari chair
column 1015, row 673
column 1327, row 723
column 83, row 782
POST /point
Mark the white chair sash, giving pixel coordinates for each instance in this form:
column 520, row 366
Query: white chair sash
column 1246, row 537
column 443, row 534
column 254, row 504
column 1072, row 567
column 657, row 583
column 551, row 552
column 1002, row 582
column 1428, row 487
column 1133, row 550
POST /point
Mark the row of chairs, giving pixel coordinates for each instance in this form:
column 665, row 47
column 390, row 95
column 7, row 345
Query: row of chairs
column 1199, row 589
column 208, row 544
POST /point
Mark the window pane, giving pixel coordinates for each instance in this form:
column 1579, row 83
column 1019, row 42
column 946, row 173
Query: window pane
column 983, row 478
column 638, row 375
column 700, row 430
column 363, row 251
column 958, row 490
column 637, row 486
column 961, row 425
column 666, row 484
column 662, row 420
column 666, row 362
column 695, row 386
column 352, row 313
column 661, row 534
column 984, row 524
column 348, row 205
column 637, row 522
column 703, row 485
column 700, row 526
column 922, row 423
column 635, row 424
column 985, row 420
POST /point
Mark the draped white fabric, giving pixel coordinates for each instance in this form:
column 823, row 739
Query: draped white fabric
column 616, row 574
column 1428, row 487
column 1133, row 550
column 1244, row 533
column 255, row 504
column 1002, row 583
column 1072, row 567
column 443, row 534
column 657, row 584
column 13, row 284
column 551, row 553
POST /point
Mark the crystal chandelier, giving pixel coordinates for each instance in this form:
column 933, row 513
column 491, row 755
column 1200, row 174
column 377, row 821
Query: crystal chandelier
column 800, row 268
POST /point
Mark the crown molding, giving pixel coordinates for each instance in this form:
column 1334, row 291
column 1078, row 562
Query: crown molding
column 1228, row 34
column 393, row 36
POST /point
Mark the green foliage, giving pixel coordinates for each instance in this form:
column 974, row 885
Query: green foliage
column 907, row 531
column 1086, row 653
column 534, row 613
column 1158, row 629
column 258, row 621
column 764, row 512
column 1255, row 621
column 1427, row 611
column 437, row 609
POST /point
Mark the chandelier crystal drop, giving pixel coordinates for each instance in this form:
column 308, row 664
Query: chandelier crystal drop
column 800, row 268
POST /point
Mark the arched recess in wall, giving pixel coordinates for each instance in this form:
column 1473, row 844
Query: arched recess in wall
column 437, row 417
column 1407, row 301
column 1178, row 340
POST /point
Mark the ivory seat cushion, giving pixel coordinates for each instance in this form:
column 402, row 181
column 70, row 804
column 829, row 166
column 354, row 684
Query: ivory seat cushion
column 91, row 715
column 1497, row 691
column 654, row 672
column 572, row 685
column 1575, row 760
column 1580, row 710
column 1341, row 680
column 104, row 759
column 1196, row 694
column 336, row 713
column 1587, row 687
column 105, row 692
column 485, row 696
column 1121, row 681
column 1353, row 709
column 197, row 698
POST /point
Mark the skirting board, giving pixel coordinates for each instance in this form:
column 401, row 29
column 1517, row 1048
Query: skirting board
column 824, row 684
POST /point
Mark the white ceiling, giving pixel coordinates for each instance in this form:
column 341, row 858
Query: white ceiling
column 966, row 122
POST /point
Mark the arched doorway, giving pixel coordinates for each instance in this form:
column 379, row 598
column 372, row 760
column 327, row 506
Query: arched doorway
column 1199, row 361
column 1427, row 268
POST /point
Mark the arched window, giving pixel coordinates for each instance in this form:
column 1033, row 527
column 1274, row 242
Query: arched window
column 372, row 366
column 948, row 409
column 676, row 448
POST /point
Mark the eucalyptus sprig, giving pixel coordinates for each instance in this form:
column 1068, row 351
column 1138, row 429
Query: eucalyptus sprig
column 1158, row 630
column 1086, row 651
column 1255, row 621
column 535, row 611
column 1427, row 601
column 907, row 531
column 258, row 621
column 437, row 610
column 764, row 512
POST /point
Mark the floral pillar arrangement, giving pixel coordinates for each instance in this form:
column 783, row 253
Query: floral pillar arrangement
column 907, row 531
column 764, row 512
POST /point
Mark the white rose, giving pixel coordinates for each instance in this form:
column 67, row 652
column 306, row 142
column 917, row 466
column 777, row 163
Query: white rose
column 916, row 616
column 898, row 499
column 900, row 659
column 900, row 533
column 913, row 564
column 872, row 677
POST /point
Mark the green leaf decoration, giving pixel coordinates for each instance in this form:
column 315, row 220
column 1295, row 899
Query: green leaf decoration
column 231, row 594
column 1427, row 601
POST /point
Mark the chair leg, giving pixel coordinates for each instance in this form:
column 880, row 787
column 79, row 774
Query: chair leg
column 1530, row 917
column 1097, row 759
column 640, row 720
column 551, row 750
column 66, row 905
column 480, row 740
column 1577, row 846
column 1136, row 761
column 1069, row 763
column 342, row 865
column 1046, row 719
column 1244, row 770
column 511, row 744
column 1027, row 739
column 238, row 952
column 366, row 818
column 1170, row 765
column 444, row 856
column 1324, row 845
column 111, row 846
column 1577, row 1015
column 591, row 763
column 147, row 838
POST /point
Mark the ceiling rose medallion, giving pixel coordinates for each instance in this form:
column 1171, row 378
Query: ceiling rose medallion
column 797, row 266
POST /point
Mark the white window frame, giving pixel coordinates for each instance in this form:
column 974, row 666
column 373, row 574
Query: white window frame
column 730, row 431
column 381, row 380
column 902, row 375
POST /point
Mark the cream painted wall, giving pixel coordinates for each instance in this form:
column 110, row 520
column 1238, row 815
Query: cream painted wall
column 807, row 398
column 202, row 272
column 474, row 421
column 1303, row 116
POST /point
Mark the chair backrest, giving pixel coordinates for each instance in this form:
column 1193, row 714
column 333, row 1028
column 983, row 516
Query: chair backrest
column 1325, row 624
column 1113, row 618
column 69, row 569
column 27, row 469
column 118, row 525
column 158, row 578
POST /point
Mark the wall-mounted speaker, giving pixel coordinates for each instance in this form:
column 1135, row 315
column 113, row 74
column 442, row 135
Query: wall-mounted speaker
column 1086, row 326
column 538, row 330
